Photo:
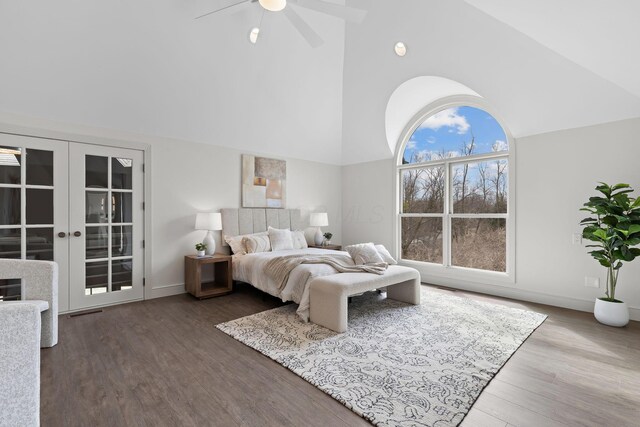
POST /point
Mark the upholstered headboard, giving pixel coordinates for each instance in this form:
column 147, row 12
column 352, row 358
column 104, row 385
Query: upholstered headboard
column 246, row 221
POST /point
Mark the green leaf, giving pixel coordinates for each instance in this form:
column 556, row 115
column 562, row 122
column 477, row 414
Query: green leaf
column 600, row 233
column 604, row 189
column 604, row 263
column 589, row 220
column 634, row 228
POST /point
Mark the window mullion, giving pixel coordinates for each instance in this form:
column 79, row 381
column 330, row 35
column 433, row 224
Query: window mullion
column 446, row 222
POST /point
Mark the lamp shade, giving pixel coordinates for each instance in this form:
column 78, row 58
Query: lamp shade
column 209, row 221
column 319, row 219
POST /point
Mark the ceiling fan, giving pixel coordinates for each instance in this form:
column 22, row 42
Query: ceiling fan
column 347, row 13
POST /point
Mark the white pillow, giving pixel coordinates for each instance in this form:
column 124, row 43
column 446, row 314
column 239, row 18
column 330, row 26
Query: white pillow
column 385, row 255
column 257, row 243
column 280, row 239
column 236, row 243
column 299, row 241
column 364, row 253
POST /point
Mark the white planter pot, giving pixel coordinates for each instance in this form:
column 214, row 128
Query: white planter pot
column 200, row 253
column 611, row 313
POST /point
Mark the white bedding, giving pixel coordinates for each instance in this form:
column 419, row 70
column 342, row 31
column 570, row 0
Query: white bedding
column 250, row 269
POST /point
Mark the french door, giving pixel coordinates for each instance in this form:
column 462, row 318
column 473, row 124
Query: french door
column 105, row 225
column 34, row 206
column 79, row 205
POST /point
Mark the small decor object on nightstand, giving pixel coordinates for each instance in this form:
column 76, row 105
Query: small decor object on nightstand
column 327, row 238
column 320, row 219
column 209, row 222
column 200, row 249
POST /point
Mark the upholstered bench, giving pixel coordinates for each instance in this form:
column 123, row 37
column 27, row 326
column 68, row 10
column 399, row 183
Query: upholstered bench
column 329, row 295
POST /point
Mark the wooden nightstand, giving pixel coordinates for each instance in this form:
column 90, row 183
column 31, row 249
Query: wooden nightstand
column 332, row 247
column 222, row 283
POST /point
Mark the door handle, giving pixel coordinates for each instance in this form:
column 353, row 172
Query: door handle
column 62, row 234
column 77, row 234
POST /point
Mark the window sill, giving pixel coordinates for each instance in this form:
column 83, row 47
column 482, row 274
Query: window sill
column 439, row 274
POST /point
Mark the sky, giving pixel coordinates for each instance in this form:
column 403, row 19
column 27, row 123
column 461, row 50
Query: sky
column 449, row 129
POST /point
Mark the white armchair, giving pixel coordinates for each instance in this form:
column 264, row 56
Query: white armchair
column 40, row 288
column 20, row 364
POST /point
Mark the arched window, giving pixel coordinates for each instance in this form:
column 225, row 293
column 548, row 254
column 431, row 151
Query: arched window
column 454, row 207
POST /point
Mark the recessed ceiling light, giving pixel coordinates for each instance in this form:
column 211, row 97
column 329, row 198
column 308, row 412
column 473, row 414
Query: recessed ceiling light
column 253, row 35
column 400, row 48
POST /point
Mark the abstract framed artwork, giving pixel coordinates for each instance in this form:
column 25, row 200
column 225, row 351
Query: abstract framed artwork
column 263, row 182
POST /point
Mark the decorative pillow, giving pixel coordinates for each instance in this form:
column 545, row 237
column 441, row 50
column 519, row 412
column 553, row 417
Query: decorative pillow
column 299, row 241
column 257, row 243
column 280, row 239
column 364, row 253
column 236, row 243
column 385, row 255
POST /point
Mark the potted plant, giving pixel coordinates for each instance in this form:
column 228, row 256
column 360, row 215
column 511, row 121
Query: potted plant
column 327, row 238
column 615, row 228
column 201, row 248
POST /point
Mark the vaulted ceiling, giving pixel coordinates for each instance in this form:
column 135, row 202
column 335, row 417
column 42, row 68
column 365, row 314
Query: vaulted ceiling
column 148, row 67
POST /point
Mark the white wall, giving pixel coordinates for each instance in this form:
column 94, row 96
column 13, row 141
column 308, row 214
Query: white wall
column 188, row 178
column 556, row 173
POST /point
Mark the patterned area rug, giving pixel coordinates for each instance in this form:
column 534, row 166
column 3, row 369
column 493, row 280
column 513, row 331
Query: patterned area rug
column 398, row 364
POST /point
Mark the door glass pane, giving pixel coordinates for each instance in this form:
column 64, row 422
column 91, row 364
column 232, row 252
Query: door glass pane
column 121, row 173
column 422, row 239
column 40, row 244
column 9, row 206
column 96, row 207
column 97, row 277
column 10, row 289
column 121, row 207
column 97, row 242
column 39, row 206
column 96, row 172
column 10, row 160
column 10, row 246
column 121, row 240
column 479, row 243
column 423, row 190
column 39, row 167
column 121, row 276
column 480, row 187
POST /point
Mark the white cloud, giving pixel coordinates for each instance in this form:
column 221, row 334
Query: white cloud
column 431, row 140
column 499, row 145
column 447, row 118
column 411, row 144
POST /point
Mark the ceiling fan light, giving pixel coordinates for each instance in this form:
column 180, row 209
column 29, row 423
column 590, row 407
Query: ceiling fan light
column 253, row 35
column 273, row 5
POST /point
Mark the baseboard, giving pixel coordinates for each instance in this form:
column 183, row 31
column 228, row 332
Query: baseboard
column 165, row 291
column 513, row 292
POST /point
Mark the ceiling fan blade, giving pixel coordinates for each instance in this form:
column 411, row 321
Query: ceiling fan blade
column 234, row 7
column 303, row 28
column 347, row 13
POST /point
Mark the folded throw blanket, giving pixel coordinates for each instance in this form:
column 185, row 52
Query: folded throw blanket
column 279, row 268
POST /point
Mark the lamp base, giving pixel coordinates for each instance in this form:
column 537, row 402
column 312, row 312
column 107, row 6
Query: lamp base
column 210, row 242
column 318, row 238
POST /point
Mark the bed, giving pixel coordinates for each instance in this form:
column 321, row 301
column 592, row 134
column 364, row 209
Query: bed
column 250, row 268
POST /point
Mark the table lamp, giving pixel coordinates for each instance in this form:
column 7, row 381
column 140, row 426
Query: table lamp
column 319, row 220
column 209, row 222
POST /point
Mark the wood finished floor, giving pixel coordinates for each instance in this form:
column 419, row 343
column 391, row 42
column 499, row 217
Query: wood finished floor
column 162, row 363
